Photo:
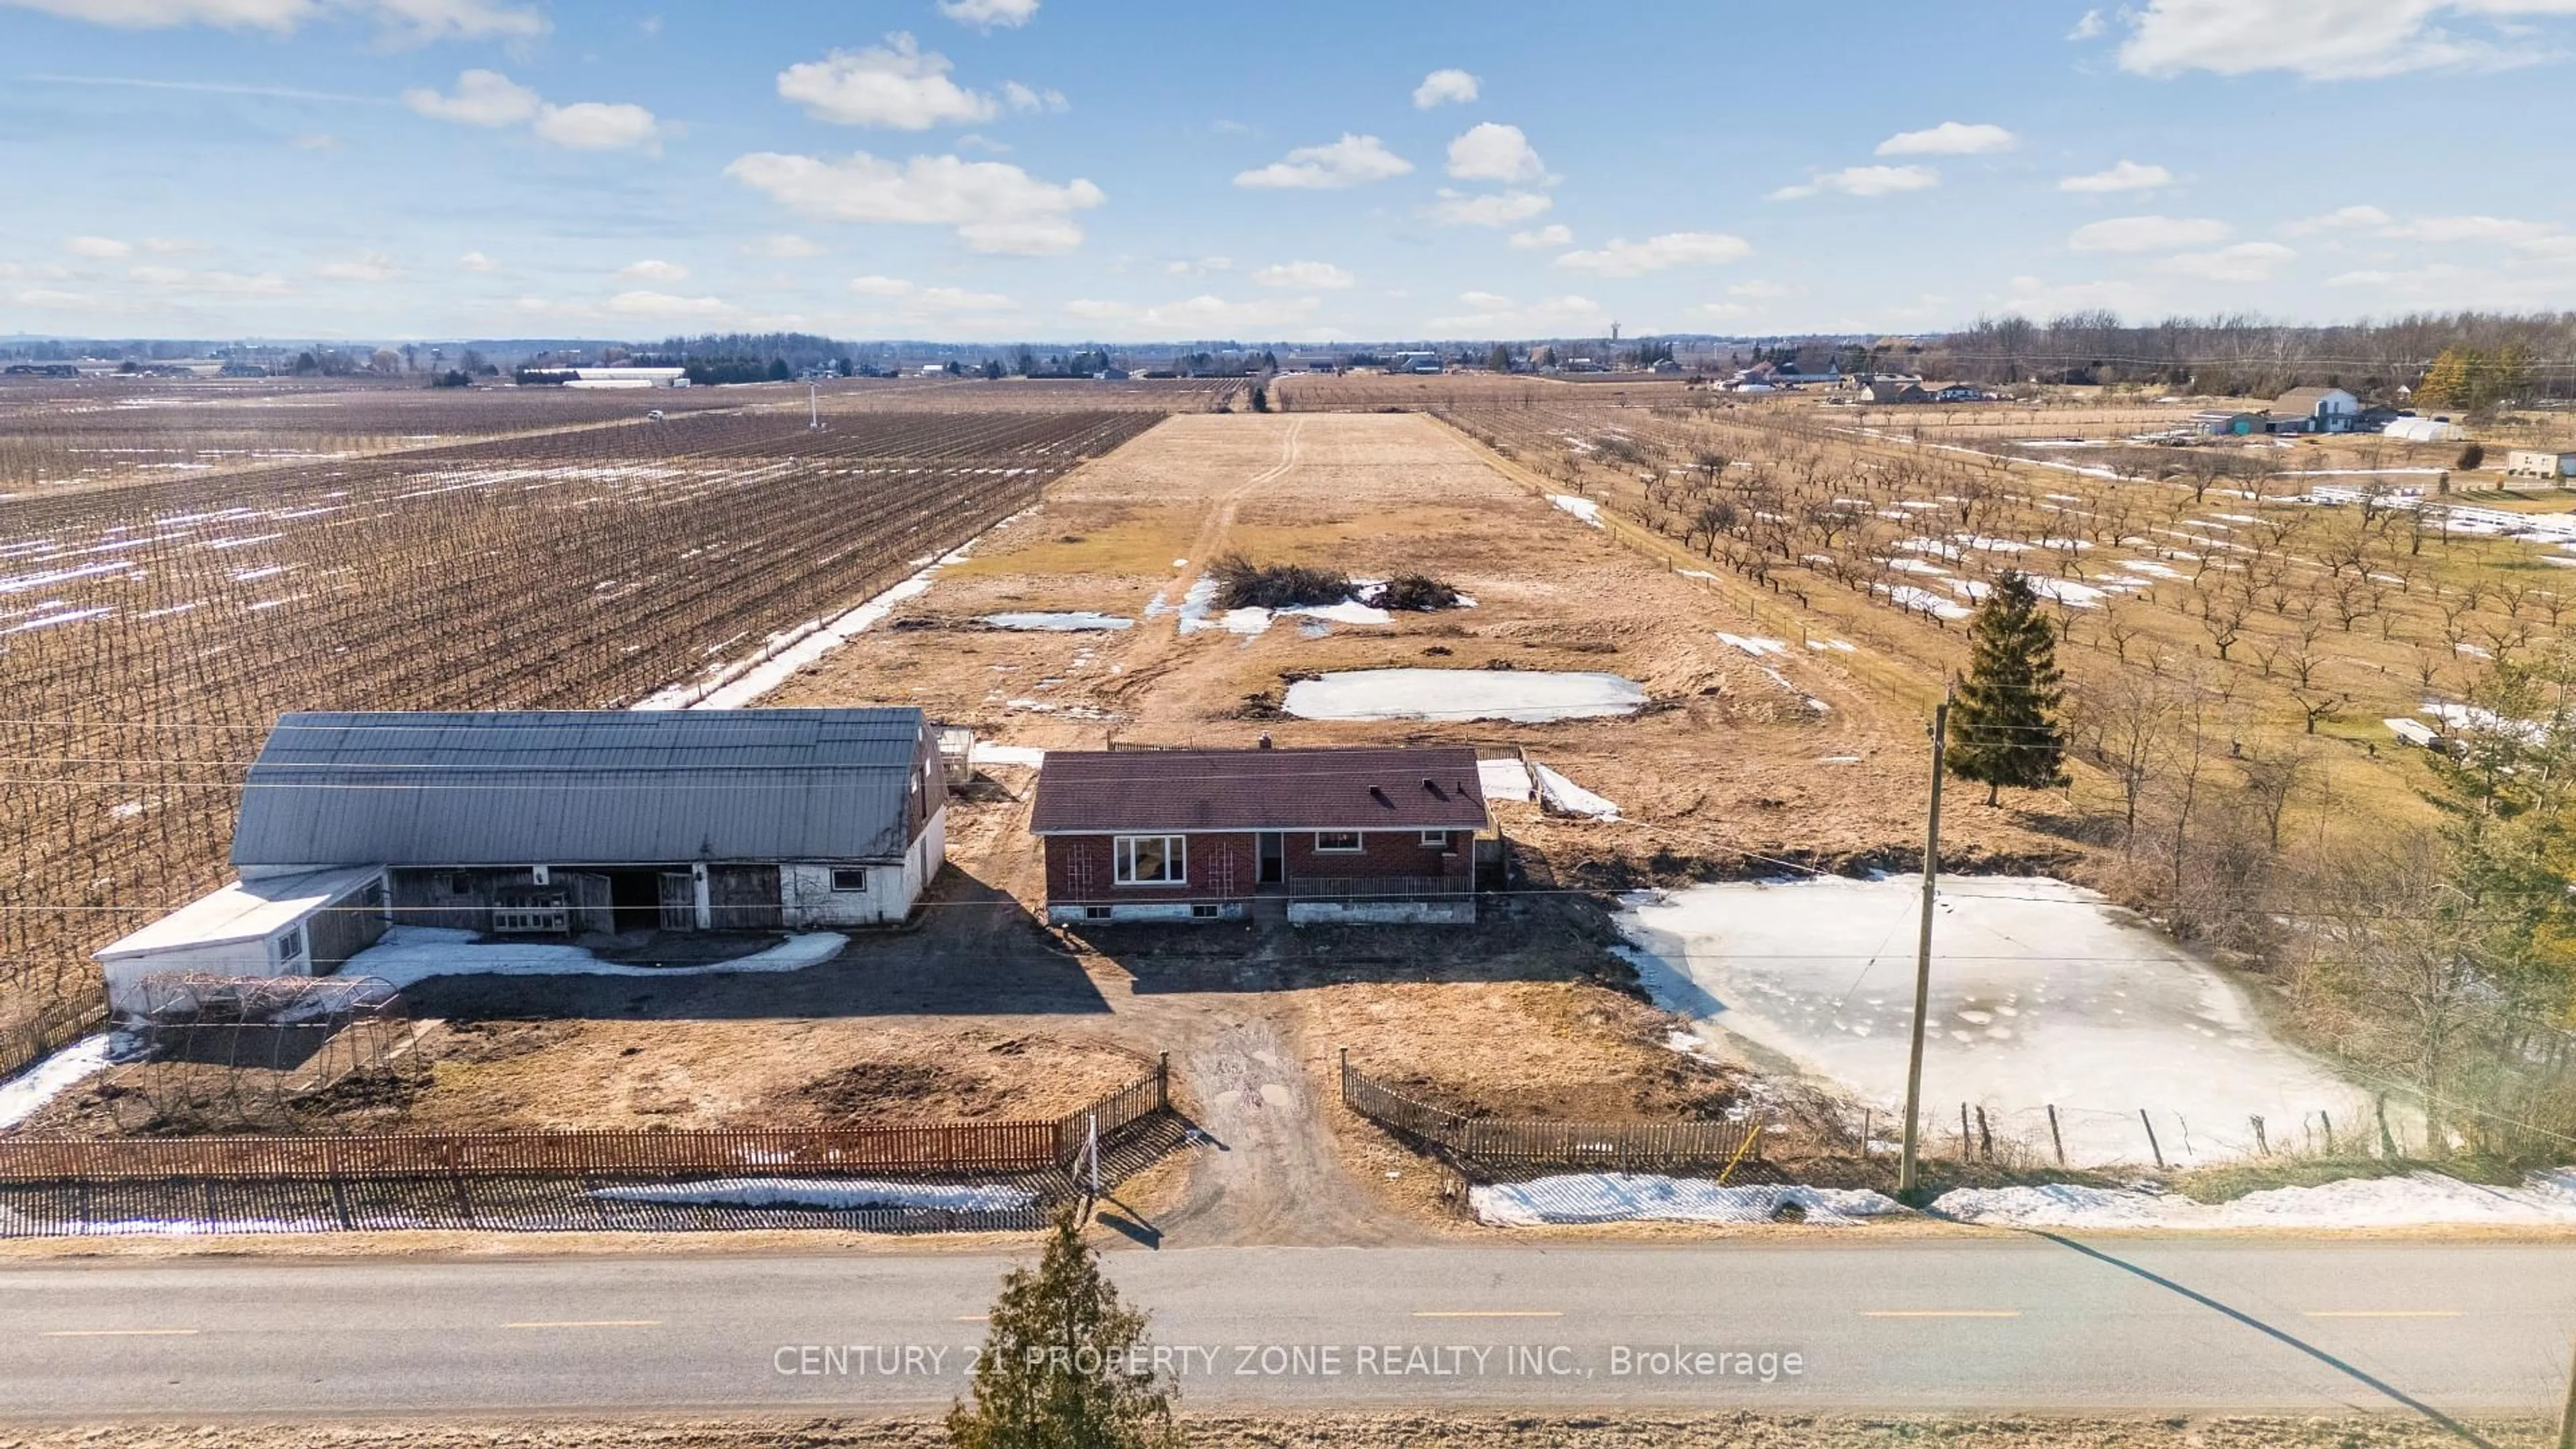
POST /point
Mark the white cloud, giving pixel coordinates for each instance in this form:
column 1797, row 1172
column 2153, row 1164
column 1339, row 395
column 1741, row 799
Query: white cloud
column 364, row 267
column 402, row 20
column 1950, row 138
column 2450, row 229
column 995, row 206
column 2090, row 27
column 1863, row 181
column 2243, row 262
column 783, row 246
column 315, row 141
column 1623, row 258
column 664, row 304
column 104, row 248
column 1351, row 161
column 1309, row 275
column 215, row 284
column 897, row 84
column 174, row 246
column 1490, row 315
column 1494, row 152
column 2328, row 39
column 919, row 300
column 477, row 262
column 1029, row 98
column 51, row 297
column 990, row 14
column 653, row 269
column 976, row 141
column 1444, row 87
column 1201, row 316
column 2341, row 219
column 1541, row 239
column 1502, row 208
column 599, row 126
column 2147, row 234
column 2126, row 175
column 483, row 98
column 1760, row 291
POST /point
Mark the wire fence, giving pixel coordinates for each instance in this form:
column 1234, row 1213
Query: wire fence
column 1507, row 1143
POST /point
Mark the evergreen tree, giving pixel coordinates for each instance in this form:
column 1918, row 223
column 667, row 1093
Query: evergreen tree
column 1064, row 1365
column 2004, row 727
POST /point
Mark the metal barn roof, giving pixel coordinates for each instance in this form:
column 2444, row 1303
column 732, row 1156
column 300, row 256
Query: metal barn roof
column 580, row 787
column 1433, row 788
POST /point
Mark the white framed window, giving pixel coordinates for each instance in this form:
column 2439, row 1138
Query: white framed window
column 849, row 879
column 290, row 945
column 1435, row 840
column 1337, row 842
column 1152, row 859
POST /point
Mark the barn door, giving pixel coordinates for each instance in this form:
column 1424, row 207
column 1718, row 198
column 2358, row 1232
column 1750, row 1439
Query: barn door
column 679, row 901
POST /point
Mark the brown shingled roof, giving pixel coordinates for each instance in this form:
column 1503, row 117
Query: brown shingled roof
column 1082, row 792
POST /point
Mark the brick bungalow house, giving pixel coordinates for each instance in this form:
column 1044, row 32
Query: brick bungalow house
column 1368, row 834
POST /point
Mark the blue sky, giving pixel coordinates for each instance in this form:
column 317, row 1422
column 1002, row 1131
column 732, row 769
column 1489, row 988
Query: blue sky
column 1069, row 169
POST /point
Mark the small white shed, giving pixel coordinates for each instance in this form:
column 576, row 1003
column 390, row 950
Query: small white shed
column 2535, row 463
column 260, row 927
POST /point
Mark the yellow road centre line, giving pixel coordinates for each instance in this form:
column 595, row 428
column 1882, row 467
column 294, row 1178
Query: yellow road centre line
column 2384, row 1313
column 1490, row 1313
column 590, row 1323
column 119, row 1333
column 1941, row 1313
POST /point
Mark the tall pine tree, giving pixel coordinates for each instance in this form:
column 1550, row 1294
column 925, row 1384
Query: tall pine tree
column 2004, row 726
column 1065, row 1365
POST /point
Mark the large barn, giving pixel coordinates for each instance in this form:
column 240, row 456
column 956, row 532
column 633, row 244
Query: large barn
column 563, row 823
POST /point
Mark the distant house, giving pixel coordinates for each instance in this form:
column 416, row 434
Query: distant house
column 558, row 822
column 2222, row 423
column 2315, row 410
column 1362, row 834
column 2529, row 463
column 1960, row 392
column 1888, row 390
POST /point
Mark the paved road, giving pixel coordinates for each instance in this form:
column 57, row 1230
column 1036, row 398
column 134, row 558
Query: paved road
column 1927, row 1325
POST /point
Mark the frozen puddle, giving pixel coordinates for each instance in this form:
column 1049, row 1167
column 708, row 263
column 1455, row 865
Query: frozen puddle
column 405, row 954
column 1523, row 696
column 1629, row 1197
column 1067, row 623
column 2041, row 995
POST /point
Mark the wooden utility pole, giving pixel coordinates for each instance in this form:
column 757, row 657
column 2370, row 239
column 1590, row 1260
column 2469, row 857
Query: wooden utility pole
column 1905, row 1172
column 2567, row 1416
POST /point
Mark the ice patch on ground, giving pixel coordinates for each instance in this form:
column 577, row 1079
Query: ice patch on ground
column 986, row 753
column 2042, row 995
column 1583, row 508
column 1079, row 622
column 1631, row 1197
column 1755, row 647
column 26, row 1094
column 406, row 954
column 1567, row 797
column 1521, row 695
column 835, row 1194
column 2418, row 1198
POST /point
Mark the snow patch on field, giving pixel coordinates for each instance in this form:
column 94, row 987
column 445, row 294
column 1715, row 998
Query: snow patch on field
column 1906, row 596
column 1583, row 508
column 1562, row 794
column 1755, row 646
column 1523, row 696
column 833, row 1194
column 406, row 954
column 26, row 1094
column 986, row 753
column 1630, row 1197
column 1503, row 779
column 2416, row 1199
column 1079, row 622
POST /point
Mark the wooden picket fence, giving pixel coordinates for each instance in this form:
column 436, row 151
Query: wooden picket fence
column 945, row 1147
column 1537, row 1142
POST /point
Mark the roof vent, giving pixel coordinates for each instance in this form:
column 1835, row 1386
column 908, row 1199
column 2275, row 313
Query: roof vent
column 1434, row 787
column 1264, row 742
column 1378, row 793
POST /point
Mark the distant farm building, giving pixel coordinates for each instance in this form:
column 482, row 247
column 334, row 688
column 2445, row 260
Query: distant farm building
column 2423, row 430
column 2221, row 423
column 559, row 822
column 628, row 377
column 1363, row 834
column 1889, row 391
column 2529, row 463
column 1414, row 362
column 2315, row 410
